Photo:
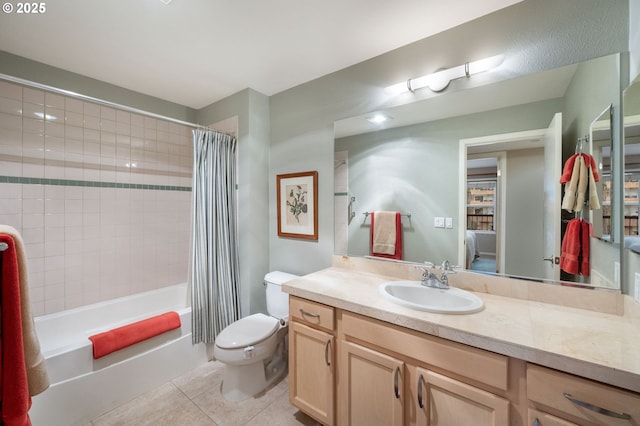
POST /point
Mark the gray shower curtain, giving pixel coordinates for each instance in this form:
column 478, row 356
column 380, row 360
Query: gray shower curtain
column 214, row 253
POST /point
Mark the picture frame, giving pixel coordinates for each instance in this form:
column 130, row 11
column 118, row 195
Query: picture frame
column 297, row 201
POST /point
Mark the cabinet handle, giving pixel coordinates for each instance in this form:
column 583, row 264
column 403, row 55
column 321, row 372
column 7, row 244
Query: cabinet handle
column 326, row 353
column 308, row 314
column 597, row 409
column 396, row 391
column 420, row 383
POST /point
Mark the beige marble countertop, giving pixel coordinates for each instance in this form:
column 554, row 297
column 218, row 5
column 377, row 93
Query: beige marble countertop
column 588, row 343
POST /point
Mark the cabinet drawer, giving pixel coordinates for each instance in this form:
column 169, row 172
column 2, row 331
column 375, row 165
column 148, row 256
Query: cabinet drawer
column 473, row 363
column 312, row 313
column 553, row 389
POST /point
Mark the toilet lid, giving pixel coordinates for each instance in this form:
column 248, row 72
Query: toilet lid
column 247, row 331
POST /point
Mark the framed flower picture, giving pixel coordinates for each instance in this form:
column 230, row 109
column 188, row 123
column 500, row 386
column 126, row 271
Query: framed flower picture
column 298, row 205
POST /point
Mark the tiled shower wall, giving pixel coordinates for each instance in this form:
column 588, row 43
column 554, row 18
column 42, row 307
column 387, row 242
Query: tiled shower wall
column 101, row 197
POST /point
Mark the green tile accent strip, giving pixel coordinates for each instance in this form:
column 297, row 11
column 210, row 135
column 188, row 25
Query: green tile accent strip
column 340, row 194
column 87, row 183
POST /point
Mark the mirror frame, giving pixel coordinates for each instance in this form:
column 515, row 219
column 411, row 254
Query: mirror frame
column 592, row 128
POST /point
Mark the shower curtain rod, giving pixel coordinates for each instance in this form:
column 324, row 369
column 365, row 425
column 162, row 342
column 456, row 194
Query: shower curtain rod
column 103, row 102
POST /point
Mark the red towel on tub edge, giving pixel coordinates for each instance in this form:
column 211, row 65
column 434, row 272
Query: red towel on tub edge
column 127, row 335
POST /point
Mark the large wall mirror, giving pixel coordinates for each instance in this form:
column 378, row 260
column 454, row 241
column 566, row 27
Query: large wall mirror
column 476, row 159
column 631, row 120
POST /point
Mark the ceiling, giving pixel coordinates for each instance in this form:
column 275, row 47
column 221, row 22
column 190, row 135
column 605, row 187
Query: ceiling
column 196, row 52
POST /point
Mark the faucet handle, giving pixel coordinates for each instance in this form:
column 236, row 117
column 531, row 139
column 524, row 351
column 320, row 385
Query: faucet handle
column 448, row 267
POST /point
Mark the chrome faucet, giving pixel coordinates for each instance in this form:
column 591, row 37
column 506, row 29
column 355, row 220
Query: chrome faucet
column 429, row 279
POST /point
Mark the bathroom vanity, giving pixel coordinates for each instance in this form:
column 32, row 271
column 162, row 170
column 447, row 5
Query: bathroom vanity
column 356, row 358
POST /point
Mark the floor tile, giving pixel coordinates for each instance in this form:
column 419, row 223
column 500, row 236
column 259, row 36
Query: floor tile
column 230, row 413
column 201, row 379
column 195, row 399
column 150, row 408
column 282, row 413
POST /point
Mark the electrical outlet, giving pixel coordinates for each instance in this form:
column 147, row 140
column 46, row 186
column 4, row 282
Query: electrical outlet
column 637, row 288
column 616, row 273
column 449, row 223
column 438, row 222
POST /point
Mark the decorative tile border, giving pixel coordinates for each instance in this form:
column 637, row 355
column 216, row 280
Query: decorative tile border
column 86, row 183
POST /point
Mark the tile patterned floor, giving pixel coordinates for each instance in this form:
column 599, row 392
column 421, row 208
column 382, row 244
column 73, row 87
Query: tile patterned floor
column 194, row 399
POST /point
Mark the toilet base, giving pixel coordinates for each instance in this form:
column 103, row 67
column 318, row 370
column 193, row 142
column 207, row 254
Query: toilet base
column 241, row 382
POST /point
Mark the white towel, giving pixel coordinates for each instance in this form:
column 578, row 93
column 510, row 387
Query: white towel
column 384, row 232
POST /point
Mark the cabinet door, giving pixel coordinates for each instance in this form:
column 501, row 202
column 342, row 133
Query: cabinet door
column 371, row 384
column 311, row 372
column 539, row 418
column 443, row 401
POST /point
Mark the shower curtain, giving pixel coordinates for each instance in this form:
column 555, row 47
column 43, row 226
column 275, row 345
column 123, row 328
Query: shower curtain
column 214, row 253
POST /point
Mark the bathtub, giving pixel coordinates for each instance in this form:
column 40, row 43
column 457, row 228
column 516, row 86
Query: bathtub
column 83, row 388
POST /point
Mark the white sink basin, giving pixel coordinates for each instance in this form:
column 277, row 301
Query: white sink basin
column 414, row 295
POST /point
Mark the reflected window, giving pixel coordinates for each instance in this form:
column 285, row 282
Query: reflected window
column 481, row 205
column 631, row 201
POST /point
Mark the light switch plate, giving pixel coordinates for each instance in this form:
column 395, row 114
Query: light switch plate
column 438, row 222
column 449, row 223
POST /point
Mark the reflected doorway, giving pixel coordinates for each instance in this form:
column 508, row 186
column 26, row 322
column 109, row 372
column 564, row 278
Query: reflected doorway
column 483, row 218
column 528, row 200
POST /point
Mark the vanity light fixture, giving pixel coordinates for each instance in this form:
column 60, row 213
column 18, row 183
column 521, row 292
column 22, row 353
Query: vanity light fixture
column 439, row 80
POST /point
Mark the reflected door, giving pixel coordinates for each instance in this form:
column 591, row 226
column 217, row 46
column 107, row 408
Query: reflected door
column 552, row 198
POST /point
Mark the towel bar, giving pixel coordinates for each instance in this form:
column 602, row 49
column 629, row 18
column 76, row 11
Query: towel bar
column 401, row 214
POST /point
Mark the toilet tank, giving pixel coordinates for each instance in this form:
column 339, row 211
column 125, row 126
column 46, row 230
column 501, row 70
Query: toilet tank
column 277, row 300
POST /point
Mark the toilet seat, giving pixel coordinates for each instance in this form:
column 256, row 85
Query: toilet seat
column 247, row 331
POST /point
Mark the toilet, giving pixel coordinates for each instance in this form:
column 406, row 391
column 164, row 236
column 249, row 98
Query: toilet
column 254, row 348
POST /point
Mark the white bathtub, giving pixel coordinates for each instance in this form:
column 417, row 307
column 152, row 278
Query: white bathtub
column 83, row 388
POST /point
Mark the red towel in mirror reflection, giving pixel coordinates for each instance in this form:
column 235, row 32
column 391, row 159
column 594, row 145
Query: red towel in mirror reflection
column 574, row 258
column 386, row 235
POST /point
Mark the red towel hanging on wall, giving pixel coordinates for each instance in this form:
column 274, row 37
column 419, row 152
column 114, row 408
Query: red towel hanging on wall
column 14, row 387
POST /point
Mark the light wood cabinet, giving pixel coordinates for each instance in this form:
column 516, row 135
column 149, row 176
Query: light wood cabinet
column 540, row 418
column 371, row 387
column 350, row 370
column 441, row 400
column 579, row 400
column 311, row 360
column 398, row 376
